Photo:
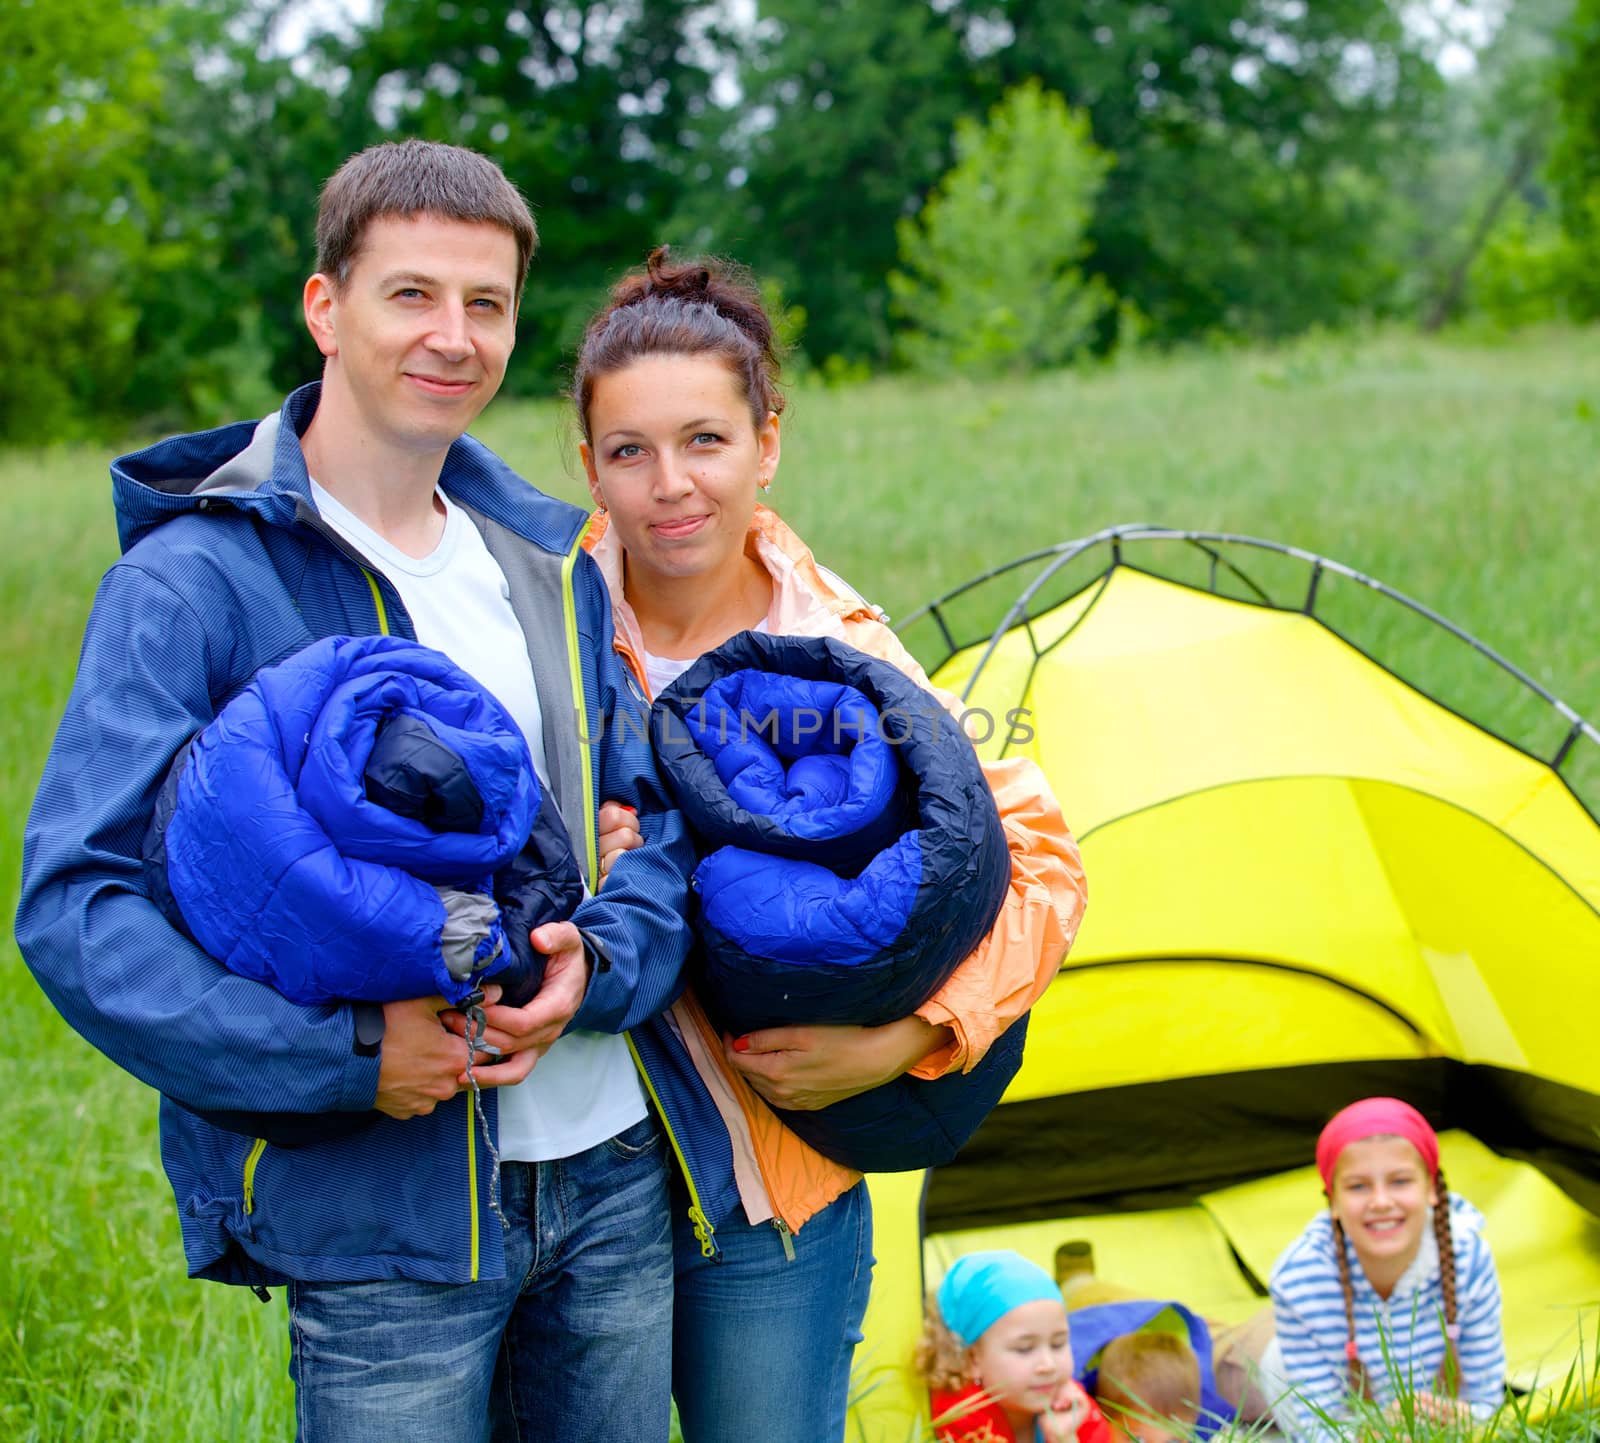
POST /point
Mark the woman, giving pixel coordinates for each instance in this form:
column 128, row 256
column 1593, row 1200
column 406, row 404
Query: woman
column 676, row 390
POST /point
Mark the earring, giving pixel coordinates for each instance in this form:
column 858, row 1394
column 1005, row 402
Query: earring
column 766, row 483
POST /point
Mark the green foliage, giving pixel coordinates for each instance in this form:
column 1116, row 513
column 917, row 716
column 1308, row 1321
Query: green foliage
column 77, row 83
column 845, row 121
column 1277, row 165
column 1260, row 149
column 1575, row 162
column 992, row 277
column 1529, row 270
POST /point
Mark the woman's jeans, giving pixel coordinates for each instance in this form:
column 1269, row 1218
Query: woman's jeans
column 762, row 1346
column 574, row 1343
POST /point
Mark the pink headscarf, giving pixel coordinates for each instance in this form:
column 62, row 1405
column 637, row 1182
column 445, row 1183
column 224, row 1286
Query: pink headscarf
column 1369, row 1118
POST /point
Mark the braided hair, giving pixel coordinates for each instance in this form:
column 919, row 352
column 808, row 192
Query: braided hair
column 683, row 308
column 1449, row 1381
column 1450, row 1369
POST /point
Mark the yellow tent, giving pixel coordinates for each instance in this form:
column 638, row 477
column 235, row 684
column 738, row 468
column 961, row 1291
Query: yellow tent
column 1309, row 881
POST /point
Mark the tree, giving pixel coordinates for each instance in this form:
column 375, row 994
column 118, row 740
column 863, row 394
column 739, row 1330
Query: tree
column 1259, row 148
column 1575, row 163
column 844, row 122
column 77, row 79
column 992, row 278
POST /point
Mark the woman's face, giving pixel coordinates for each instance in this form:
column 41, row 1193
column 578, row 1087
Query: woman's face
column 677, row 462
column 1381, row 1196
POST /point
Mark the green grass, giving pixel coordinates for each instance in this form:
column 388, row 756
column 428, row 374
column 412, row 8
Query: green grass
column 1462, row 474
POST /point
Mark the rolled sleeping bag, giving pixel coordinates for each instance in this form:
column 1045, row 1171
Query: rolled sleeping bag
column 361, row 823
column 852, row 858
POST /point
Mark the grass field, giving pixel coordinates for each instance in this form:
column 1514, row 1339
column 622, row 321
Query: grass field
column 1463, row 474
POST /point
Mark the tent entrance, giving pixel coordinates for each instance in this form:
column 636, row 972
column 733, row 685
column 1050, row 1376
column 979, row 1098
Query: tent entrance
column 1168, row 1143
column 1213, row 1252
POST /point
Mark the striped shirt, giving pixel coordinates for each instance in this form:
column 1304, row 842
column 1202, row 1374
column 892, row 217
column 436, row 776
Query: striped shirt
column 1400, row 1340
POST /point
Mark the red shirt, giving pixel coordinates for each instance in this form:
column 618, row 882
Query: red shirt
column 987, row 1422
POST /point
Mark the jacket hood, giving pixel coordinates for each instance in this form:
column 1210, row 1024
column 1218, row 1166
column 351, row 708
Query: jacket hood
column 258, row 467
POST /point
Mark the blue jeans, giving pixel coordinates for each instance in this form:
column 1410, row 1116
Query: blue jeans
column 761, row 1346
column 574, row 1343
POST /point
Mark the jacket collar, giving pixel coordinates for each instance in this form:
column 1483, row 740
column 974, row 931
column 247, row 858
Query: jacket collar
column 806, row 601
column 258, row 467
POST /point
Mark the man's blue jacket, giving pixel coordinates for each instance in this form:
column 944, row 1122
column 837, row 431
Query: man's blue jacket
column 227, row 568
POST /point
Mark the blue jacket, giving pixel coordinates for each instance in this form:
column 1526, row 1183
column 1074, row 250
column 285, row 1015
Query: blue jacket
column 227, row 568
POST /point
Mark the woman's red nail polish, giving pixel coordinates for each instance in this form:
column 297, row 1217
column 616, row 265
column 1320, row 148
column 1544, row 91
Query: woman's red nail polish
column 625, row 807
column 741, row 1044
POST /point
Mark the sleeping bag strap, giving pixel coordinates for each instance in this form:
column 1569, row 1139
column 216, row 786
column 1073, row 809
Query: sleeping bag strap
column 476, row 1025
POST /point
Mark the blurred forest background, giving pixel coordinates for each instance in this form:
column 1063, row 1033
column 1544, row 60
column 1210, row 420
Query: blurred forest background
column 973, row 186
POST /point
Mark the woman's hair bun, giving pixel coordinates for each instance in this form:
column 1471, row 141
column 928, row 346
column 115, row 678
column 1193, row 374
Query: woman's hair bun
column 689, row 280
column 692, row 307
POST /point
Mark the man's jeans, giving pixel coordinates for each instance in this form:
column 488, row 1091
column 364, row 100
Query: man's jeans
column 762, row 1346
column 574, row 1343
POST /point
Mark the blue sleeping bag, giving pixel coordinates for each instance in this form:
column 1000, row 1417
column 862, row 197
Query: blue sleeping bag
column 1093, row 1327
column 852, row 858
column 363, row 822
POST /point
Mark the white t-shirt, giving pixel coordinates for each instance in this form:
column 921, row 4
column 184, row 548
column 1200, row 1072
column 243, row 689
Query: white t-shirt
column 584, row 1089
column 661, row 671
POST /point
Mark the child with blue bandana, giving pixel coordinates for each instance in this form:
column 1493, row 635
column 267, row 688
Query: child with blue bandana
column 997, row 1357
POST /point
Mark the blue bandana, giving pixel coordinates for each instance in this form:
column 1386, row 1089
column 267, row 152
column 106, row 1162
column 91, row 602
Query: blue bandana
column 982, row 1288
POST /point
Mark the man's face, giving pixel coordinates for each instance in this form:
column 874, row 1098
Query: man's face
column 418, row 337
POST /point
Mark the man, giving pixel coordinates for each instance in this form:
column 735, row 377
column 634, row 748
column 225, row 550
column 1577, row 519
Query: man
column 362, row 507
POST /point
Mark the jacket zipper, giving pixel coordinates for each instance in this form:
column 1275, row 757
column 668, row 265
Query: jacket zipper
column 258, row 1147
column 779, row 1224
column 704, row 1233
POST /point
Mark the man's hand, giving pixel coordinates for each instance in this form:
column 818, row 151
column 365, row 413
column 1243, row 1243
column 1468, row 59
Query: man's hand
column 616, row 832
column 524, row 1034
column 420, row 1061
column 808, row 1068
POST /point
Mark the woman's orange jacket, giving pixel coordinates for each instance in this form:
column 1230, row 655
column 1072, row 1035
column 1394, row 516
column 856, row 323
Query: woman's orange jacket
column 778, row 1174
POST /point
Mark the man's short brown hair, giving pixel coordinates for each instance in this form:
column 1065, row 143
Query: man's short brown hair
column 408, row 178
column 1149, row 1375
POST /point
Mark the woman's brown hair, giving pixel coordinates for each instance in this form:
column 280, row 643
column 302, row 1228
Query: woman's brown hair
column 669, row 307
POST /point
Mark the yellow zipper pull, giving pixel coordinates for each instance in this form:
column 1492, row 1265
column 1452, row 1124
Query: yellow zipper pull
column 786, row 1237
column 258, row 1147
column 702, row 1231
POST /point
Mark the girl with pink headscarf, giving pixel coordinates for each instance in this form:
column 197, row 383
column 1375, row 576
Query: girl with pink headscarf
column 1389, row 1299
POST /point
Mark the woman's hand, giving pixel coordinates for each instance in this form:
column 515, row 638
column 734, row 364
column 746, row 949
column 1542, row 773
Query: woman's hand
column 1061, row 1421
column 616, row 832
column 808, row 1068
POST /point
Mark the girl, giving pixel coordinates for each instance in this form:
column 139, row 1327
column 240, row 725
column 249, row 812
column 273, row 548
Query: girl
column 676, row 391
column 997, row 1357
column 1391, row 1296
